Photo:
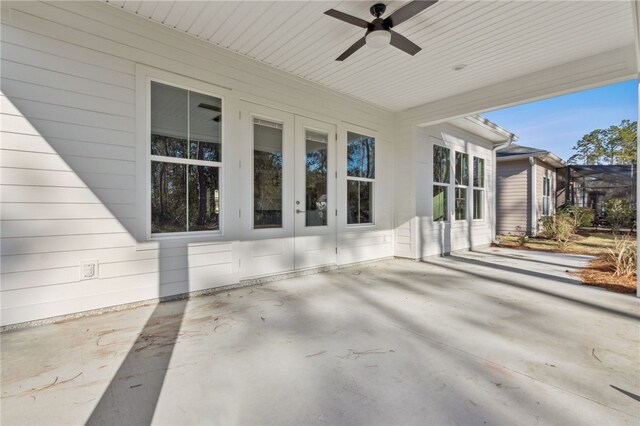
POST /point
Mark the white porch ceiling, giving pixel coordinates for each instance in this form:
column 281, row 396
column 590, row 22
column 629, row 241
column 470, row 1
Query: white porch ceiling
column 496, row 40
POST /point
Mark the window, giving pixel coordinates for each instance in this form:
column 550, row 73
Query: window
column 186, row 158
column 441, row 168
column 462, row 182
column 267, row 174
column 546, row 192
column 478, row 188
column 360, row 178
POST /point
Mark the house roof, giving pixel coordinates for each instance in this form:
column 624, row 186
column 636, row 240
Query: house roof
column 519, row 152
column 466, row 45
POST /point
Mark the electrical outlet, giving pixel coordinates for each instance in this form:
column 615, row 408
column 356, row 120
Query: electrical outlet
column 89, row 270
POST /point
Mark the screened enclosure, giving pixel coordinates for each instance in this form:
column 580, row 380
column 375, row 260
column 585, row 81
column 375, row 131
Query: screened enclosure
column 591, row 186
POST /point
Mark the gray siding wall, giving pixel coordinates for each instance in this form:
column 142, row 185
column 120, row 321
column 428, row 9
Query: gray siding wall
column 512, row 194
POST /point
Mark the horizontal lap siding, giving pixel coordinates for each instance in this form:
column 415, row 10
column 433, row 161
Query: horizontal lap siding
column 405, row 195
column 513, row 199
column 435, row 237
column 67, row 162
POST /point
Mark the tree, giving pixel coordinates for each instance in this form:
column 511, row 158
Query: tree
column 619, row 213
column 615, row 145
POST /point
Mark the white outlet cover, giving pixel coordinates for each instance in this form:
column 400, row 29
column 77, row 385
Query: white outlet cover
column 88, row 269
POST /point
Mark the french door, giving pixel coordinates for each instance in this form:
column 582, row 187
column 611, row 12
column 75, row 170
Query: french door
column 287, row 214
column 315, row 193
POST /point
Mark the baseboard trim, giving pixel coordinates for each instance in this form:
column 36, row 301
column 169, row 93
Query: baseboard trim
column 241, row 284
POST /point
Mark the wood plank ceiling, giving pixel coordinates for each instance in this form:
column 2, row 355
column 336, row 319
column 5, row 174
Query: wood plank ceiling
column 494, row 40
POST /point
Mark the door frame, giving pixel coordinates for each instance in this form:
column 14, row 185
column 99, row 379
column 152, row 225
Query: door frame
column 300, row 229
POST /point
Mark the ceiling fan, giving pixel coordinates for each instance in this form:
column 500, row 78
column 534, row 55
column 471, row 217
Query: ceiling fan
column 379, row 33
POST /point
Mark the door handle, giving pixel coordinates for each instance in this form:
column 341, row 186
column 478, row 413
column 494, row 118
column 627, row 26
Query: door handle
column 299, row 211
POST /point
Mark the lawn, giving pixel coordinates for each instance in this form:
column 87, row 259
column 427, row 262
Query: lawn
column 599, row 273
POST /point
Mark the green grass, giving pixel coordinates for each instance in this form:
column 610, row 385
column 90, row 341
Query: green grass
column 593, row 243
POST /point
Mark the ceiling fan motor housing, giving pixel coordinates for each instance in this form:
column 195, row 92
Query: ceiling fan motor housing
column 378, row 9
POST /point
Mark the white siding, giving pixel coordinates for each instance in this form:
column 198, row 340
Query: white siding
column 69, row 159
column 417, row 236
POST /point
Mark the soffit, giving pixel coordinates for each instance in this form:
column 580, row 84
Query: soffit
column 496, row 40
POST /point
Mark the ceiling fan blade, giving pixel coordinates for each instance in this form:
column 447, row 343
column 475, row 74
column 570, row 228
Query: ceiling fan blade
column 407, row 11
column 404, row 44
column 350, row 51
column 347, row 18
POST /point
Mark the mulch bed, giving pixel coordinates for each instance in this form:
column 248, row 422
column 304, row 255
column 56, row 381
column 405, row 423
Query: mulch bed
column 599, row 274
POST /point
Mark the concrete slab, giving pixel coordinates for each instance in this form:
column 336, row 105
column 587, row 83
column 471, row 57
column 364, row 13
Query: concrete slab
column 491, row 337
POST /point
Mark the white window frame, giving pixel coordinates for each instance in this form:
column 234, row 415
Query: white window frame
column 479, row 188
column 374, row 136
column 461, row 186
column 546, row 195
column 447, row 186
column 144, row 76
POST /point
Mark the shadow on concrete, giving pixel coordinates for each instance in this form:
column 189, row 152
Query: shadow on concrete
column 629, row 394
column 464, row 268
column 505, row 268
column 524, row 257
column 132, row 395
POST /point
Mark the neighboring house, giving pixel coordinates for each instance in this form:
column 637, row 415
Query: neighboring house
column 521, row 199
column 152, row 149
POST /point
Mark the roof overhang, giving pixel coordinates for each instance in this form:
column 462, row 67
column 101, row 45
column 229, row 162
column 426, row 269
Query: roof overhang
column 544, row 156
column 484, row 128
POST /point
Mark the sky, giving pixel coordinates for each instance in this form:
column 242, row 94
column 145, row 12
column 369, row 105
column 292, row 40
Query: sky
column 556, row 124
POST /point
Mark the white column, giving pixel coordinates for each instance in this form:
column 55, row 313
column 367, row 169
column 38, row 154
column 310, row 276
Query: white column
column 533, row 226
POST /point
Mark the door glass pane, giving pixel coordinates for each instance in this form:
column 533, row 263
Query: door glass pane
column 316, row 178
column 440, row 203
column 168, row 197
column 359, row 202
column 204, row 198
column 267, row 174
column 361, row 156
column 169, row 121
column 440, row 164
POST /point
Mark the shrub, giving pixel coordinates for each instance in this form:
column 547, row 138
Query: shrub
column 619, row 213
column 578, row 216
column 623, row 257
column 521, row 236
column 559, row 228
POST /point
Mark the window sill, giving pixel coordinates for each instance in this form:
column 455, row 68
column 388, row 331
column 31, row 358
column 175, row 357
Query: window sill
column 360, row 225
column 154, row 242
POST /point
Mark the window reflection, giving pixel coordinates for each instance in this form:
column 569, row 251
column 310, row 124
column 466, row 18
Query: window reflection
column 360, row 156
column 359, row 202
column 316, row 178
column 440, row 203
column 185, row 125
column 267, row 174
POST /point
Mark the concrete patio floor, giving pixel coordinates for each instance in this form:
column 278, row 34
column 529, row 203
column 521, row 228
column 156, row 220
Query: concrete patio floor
column 489, row 337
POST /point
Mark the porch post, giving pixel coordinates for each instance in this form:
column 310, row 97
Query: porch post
column 534, row 198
